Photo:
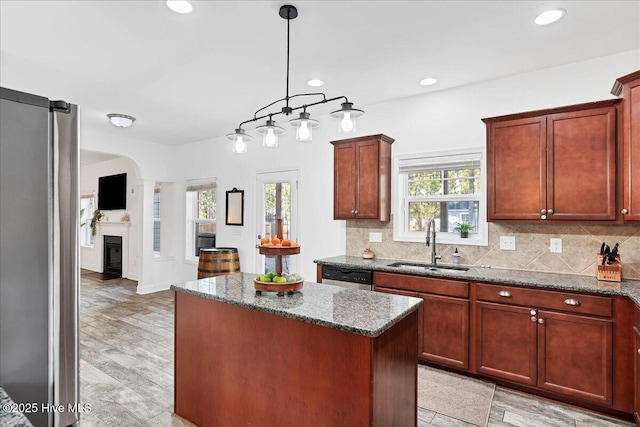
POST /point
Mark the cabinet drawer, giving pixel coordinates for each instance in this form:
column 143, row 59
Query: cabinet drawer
column 556, row 300
column 429, row 285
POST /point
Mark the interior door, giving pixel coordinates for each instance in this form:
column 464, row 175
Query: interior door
column 277, row 201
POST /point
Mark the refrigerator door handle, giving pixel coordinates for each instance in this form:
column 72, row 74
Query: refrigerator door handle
column 65, row 266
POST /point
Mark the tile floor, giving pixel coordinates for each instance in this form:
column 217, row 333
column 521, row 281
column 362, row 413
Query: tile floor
column 126, row 367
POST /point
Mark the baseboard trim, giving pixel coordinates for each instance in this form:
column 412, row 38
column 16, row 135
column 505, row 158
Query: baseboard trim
column 142, row 290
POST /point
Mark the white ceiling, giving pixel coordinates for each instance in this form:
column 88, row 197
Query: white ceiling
column 192, row 77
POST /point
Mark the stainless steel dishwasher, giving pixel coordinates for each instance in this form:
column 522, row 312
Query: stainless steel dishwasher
column 347, row 277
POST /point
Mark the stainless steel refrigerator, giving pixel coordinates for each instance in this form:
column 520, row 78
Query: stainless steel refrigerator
column 39, row 271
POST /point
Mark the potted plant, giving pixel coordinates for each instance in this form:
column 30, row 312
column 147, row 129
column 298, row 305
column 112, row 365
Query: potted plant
column 97, row 216
column 464, row 228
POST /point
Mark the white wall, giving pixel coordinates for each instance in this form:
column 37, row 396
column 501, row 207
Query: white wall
column 91, row 257
column 434, row 121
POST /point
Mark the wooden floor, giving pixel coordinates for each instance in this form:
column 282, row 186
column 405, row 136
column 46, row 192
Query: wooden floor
column 126, row 367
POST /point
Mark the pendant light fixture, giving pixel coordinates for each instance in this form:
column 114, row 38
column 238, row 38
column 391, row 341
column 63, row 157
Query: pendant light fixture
column 270, row 133
column 304, row 125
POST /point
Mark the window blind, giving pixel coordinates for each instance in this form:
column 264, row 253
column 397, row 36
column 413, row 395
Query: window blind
column 440, row 162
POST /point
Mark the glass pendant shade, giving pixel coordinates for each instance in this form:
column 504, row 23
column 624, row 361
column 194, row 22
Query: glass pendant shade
column 304, row 127
column 239, row 141
column 347, row 116
column 270, row 133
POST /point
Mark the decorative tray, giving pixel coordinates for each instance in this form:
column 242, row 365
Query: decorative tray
column 280, row 288
column 279, row 250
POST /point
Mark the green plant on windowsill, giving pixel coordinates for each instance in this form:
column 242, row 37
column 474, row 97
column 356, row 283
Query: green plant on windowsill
column 464, row 228
column 97, row 216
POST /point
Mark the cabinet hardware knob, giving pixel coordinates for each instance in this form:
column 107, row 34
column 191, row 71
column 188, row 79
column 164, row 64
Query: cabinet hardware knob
column 353, row 212
column 550, row 211
column 639, row 351
column 505, row 294
column 624, row 211
column 534, row 318
column 543, row 217
column 543, row 211
column 541, row 321
column 356, row 212
column 572, row 301
column 533, row 312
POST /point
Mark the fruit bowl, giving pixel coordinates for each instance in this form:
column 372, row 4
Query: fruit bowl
column 280, row 288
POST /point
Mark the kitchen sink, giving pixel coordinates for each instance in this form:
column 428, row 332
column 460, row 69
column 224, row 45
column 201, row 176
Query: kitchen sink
column 428, row 267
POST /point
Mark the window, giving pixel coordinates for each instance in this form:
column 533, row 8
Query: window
column 448, row 187
column 157, row 199
column 201, row 218
column 87, row 206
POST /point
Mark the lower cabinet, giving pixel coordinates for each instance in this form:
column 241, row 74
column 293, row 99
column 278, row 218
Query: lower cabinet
column 444, row 316
column 636, row 375
column 564, row 353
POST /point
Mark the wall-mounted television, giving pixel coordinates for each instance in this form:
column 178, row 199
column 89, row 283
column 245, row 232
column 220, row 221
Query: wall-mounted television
column 112, row 192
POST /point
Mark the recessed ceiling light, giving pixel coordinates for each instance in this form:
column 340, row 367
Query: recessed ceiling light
column 315, row 82
column 550, row 16
column 179, row 6
column 428, row 81
column 121, row 120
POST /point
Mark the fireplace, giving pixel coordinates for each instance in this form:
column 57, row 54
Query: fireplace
column 112, row 261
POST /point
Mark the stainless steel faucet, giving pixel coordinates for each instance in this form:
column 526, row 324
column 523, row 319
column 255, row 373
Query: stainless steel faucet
column 431, row 241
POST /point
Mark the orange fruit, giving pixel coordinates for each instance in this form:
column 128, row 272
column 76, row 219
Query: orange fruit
column 264, row 240
column 275, row 240
column 286, row 242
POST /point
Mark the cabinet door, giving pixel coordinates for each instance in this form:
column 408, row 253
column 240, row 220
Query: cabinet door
column 367, row 188
column 344, row 184
column 506, row 342
column 516, row 169
column 631, row 152
column 581, row 165
column 445, row 338
column 636, row 339
column 575, row 356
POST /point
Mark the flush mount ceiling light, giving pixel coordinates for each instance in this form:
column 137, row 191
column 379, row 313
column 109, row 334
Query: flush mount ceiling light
column 179, row 6
column 550, row 16
column 121, row 120
column 428, row 81
column 315, row 82
column 303, row 124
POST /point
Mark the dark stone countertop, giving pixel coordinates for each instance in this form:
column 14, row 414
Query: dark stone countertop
column 558, row 281
column 9, row 415
column 351, row 310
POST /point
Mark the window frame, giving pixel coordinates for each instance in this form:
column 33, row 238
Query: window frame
column 157, row 189
column 191, row 213
column 401, row 199
column 87, row 241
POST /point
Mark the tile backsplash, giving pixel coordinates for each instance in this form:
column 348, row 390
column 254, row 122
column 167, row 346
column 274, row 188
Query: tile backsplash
column 580, row 243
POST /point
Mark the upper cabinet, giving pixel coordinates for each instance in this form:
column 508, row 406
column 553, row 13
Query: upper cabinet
column 556, row 164
column 629, row 87
column 362, row 178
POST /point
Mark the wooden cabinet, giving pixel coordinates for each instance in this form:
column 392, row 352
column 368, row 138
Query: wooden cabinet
column 636, row 371
column 557, row 164
column 506, row 342
column 522, row 336
column 444, row 316
column 362, row 178
column 629, row 175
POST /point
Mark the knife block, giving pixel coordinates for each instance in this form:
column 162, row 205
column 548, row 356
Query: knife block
column 609, row 272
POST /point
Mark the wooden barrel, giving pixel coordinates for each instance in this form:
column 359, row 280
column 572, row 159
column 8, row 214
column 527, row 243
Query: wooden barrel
column 218, row 262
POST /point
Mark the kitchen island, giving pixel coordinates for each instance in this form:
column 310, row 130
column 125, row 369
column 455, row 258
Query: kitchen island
column 323, row 356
